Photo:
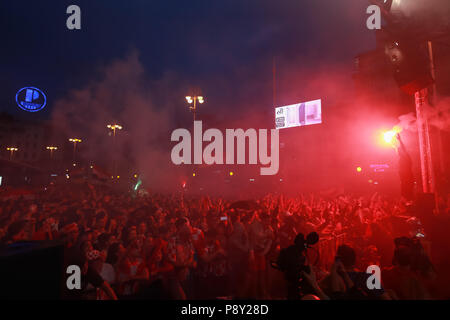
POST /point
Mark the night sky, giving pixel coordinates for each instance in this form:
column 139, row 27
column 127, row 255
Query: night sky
column 226, row 48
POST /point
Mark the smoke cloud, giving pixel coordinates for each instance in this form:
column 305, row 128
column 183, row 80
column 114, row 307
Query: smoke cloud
column 438, row 117
column 311, row 157
column 121, row 93
column 431, row 15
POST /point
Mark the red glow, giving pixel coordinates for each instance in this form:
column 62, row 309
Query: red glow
column 390, row 137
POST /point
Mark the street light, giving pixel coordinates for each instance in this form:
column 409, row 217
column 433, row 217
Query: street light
column 114, row 127
column 193, row 103
column 12, row 150
column 51, row 148
column 74, row 141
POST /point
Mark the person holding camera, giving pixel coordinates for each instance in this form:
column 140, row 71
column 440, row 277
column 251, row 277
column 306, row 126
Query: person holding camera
column 293, row 262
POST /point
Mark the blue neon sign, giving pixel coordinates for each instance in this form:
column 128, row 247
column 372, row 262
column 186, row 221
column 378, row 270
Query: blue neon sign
column 31, row 99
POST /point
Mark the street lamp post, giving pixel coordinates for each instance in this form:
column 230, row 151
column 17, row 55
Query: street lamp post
column 74, row 141
column 193, row 103
column 51, row 148
column 12, row 150
column 114, row 127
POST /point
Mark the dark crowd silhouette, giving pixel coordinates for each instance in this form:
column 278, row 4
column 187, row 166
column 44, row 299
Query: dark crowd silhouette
column 155, row 246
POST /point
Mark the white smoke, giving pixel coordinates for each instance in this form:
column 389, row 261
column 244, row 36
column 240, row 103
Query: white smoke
column 438, row 117
column 121, row 92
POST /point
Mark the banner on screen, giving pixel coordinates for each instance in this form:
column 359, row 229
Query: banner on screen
column 300, row 114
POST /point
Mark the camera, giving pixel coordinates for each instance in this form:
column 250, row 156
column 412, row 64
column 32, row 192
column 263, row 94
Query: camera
column 292, row 262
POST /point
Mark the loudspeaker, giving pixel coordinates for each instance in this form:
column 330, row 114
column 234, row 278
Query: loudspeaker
column 31, row 270
column 410, row 64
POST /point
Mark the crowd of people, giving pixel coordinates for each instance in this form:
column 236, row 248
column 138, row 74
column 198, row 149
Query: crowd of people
column 155, row 246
